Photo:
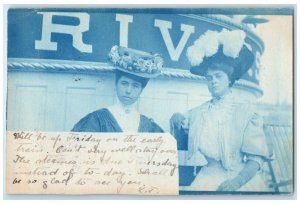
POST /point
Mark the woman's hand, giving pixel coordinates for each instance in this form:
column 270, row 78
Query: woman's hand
column 176, row 121
column 229, row 185
column 242, row 178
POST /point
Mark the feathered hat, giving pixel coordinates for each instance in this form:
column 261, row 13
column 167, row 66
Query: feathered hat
column 225, row 50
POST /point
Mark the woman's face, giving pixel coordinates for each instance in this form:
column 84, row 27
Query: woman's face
column 128, row 90
column 218, row 82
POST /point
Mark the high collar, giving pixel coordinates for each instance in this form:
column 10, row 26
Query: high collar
column 223, row 98
column 125, row 108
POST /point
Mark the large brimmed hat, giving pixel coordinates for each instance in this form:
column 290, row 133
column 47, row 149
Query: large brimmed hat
column 225, row 50
column 136, row 62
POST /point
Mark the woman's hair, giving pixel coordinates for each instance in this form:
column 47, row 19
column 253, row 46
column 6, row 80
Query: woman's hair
column 229, row 70
column 235, row 68
column 139, row 79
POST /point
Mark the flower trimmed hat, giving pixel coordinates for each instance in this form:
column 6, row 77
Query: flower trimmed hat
column 225, row 50
column 136, row 62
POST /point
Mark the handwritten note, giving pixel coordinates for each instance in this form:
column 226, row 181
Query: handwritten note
column 91, row 163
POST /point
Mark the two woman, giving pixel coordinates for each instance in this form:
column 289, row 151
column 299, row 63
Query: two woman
column 133, row 70
column 225, row 135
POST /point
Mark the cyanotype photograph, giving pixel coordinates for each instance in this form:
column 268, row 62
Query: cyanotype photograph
column 218, row 80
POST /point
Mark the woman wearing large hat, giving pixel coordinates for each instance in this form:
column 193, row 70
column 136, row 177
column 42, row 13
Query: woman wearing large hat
column 225, row 135
column 134, row 68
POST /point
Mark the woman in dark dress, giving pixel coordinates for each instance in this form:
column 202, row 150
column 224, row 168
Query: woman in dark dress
column 133, row 70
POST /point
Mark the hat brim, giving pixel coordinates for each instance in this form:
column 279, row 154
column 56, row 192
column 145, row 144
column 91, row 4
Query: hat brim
column 140, row 74
column 136, row 62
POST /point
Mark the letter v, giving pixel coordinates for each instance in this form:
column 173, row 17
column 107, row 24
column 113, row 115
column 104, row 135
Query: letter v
column 164, row 27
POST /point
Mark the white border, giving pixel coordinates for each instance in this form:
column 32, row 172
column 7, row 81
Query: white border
column 142, row 3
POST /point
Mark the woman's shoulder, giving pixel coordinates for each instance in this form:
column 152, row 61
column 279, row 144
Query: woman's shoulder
column 243, row 106
column 149, row 125
column 103, row 112
column 200, row 108
column 91, row 120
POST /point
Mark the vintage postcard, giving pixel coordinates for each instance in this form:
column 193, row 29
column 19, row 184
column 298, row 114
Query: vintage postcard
column 156, row 101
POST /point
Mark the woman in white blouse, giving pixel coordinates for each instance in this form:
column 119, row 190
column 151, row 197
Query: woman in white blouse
column 225, row 135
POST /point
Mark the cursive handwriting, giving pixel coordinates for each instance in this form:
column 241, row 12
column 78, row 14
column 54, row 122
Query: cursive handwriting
column 85, row 163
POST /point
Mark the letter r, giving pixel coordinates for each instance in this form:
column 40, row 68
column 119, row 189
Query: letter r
column 75, row 31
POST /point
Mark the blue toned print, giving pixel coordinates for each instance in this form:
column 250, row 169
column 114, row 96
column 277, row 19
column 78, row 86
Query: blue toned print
column 63, row 76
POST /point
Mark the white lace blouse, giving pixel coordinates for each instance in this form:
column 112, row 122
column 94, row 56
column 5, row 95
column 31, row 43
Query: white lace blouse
column 227, row 131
